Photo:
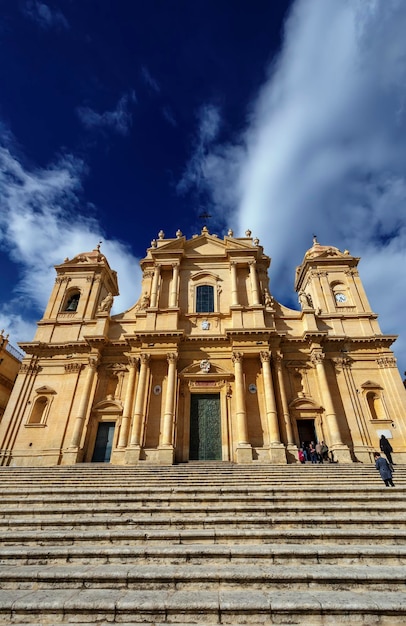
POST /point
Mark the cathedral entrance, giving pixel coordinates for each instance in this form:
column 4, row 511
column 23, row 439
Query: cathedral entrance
column 104, row 442
column 307, row 431
column 205, row 427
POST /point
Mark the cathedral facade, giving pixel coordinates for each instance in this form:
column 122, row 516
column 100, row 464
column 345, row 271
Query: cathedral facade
column 207, row 365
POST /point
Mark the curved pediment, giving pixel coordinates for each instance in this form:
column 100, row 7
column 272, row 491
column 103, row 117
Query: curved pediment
column 205, row 369
column 109, row 406
column 305, row 404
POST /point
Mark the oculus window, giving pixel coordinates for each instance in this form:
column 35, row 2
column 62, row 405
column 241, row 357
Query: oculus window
column 204, row 299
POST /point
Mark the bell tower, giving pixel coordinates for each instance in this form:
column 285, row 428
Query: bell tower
column 328, row 282
column 83, row 287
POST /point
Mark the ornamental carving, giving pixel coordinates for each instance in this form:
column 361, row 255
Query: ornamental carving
column 93, row 361
column 73, row 368
column 264, row 356
column 237, row 357
column 62, row 279
column 317, row 358
column 144, row 358
column 205, row 366
column 172, row 357
column 133, row 361
column 386, row 361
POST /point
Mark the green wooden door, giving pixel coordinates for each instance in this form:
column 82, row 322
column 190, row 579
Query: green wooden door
column 205, row 427
column 104, row 442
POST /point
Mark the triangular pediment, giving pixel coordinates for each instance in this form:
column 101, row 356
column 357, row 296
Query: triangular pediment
column 45, row 390
column 205, row 245
column 370, row 384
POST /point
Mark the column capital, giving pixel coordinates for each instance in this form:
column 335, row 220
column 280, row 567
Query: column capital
column 265, row 356
column 387, row 361
column 133, row 360
column 317, row 357
column 93, row 361
column 237, row 357
column 172, row 357
column 144, row 358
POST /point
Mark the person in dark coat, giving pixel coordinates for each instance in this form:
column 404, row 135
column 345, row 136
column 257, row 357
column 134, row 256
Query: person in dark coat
column 386, row 448
column 384, row 469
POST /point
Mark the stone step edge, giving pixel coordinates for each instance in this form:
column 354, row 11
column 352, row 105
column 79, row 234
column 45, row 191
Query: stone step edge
column 203, row 521
column 186, row 535
column 212, row 574
column 122, row 601
column 208, row 551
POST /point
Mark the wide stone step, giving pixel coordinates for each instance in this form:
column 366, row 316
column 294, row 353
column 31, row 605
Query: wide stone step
column 207, row 607
column 204, row 577
column 168, row 520
column 74, row 511
column 150, row 536
column 307, row 554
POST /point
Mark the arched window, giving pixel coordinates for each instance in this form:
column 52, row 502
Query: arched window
column 204, row 299
column 72, row 302
column 38, row 410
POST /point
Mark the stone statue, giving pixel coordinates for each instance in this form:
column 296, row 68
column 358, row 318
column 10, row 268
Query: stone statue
column 145, row 300
column 304, row 302
column 107, row 303
column 268, row 299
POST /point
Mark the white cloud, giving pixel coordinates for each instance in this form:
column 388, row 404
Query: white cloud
column 44, row 16
column 150, row 80
column 325, row 150
column 38, row 232
column 119, row 120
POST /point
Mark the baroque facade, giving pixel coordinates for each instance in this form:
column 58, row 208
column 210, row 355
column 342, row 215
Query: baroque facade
column 207, row 365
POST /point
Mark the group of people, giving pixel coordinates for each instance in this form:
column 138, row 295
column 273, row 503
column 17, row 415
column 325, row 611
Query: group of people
column 319, row 453
column 314, row 452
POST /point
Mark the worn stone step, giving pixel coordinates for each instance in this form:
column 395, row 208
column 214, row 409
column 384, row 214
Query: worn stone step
column 204, row 577
column 150, row 536
column 225, row 607
column 297, row 553
column 248, row 522
column 195, row 510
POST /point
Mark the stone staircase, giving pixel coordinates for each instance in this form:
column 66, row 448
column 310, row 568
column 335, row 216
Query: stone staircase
column 202, row 543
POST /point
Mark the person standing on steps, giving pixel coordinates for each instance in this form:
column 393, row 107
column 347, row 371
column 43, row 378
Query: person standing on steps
column 386, row 448
column 384, row 469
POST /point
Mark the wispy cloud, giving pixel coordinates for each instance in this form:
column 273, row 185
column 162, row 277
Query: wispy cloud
column 41, row 225
column 149, row 80
column 45, row 17
column 195, row 177
column 169, row 116
column 324, row 150
column 119, row 120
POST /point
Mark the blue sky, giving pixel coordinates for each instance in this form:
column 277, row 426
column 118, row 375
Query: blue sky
column 119, row 119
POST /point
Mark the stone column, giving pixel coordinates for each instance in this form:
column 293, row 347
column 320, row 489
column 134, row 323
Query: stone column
column 234, row 285
column 174, row 286
column 340, row 450
column 128, row 403
column 93, row 362
column 155, row 283
column 278, row 360
column 139, row 400
column 167, row 428
column 166, row 448
column 254, row 282
column 244, row 451
column 270, row 403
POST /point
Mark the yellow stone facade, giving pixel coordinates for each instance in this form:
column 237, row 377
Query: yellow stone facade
column 207, row 365
column 10, row 361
